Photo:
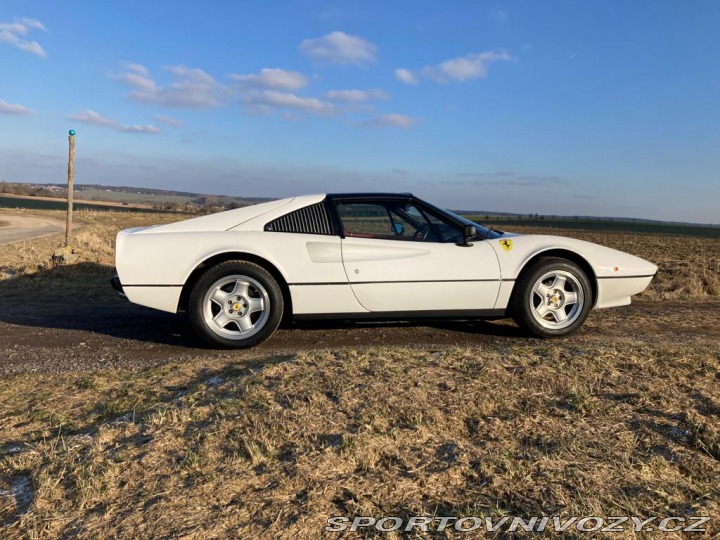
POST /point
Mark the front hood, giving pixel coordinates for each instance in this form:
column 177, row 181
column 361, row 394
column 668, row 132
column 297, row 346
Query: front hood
column 222, row 221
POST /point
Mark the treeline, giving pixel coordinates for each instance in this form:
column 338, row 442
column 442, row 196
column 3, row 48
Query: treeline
column 27, row 190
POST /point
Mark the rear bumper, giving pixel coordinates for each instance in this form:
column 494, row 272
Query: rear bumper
column 115, row 282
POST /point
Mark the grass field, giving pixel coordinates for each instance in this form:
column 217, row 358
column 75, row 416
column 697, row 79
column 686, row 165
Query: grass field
column 251, row 445
column 270, row 447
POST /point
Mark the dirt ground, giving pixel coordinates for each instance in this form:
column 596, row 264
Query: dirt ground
column 56, row 335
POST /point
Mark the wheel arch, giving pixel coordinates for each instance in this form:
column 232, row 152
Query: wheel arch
column 219, row 258
column 562, row 254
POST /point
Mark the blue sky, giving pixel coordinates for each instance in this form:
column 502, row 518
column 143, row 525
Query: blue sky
column 593, row 107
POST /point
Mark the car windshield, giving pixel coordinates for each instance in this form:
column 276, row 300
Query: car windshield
column 482, row 232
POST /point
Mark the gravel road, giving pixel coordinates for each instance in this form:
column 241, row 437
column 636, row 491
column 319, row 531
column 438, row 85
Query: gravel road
column 64, row 335
column 26, row 227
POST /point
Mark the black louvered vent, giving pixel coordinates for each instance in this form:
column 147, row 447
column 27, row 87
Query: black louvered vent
column 309, row 220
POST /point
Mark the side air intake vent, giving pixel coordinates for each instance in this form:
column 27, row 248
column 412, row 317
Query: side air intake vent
column 309, row 220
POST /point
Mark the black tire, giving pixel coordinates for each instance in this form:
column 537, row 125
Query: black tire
column 262, row 288
column 525, row 305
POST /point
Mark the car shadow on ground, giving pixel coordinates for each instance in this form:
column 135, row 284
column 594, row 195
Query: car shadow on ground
column 79, row 298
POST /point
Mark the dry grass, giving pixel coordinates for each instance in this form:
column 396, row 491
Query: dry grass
column 273, row 446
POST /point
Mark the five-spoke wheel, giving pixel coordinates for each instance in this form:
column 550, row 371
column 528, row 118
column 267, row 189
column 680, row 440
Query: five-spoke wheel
column 552, row 297
column 236, row 304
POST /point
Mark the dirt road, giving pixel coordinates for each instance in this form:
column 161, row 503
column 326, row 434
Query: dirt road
column 20, row 228
column 64, row 335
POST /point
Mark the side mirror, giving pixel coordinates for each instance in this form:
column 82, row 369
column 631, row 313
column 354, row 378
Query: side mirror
column 469, row 232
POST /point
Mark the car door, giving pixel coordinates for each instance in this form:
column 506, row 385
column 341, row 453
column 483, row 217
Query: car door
column 400, row 257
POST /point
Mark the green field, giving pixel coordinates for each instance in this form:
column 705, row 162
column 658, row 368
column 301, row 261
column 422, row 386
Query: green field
column 507, row 224
column 60, row 204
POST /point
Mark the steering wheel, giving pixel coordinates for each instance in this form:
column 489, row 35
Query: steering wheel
column 422, row 232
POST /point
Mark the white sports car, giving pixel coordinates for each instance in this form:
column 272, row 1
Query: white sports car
column 365, row 256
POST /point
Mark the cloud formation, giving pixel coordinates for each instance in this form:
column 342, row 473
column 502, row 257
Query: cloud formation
column 356, row 96
column 168, row 120
column 14, row 32
column 339, row 48
column 392, row 120
column 406, row 76
column 268, row 100
column 13, row 108
column 93, row 118
column 464, row 68
column 191, row 88
column 273, row 78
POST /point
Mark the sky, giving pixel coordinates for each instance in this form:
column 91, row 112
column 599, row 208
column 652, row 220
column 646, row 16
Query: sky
column 607, row 108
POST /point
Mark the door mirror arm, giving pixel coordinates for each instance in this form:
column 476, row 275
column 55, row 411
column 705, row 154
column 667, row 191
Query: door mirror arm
column 469, row 233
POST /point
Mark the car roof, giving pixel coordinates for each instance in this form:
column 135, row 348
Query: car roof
column 370, row 195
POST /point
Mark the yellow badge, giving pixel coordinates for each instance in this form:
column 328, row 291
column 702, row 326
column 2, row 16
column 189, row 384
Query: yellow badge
column 506, row 244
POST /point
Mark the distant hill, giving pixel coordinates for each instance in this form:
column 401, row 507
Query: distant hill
column 161, row 199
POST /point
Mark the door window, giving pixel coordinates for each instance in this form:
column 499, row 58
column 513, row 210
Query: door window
column 394, row 220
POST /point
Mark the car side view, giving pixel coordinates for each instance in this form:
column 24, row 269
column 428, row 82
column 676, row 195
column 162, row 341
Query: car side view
column 374, row 256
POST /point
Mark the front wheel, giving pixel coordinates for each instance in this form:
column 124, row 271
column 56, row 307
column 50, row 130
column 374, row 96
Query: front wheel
column 236, row 304
column 552, row 298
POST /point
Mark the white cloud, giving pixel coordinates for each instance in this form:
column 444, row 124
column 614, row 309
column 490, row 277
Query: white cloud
column 14, row 32
column 13, row 108
column 406, row 76
column 356, row 96
column 267, row 100
column 32, row 23
column 191, row 88
column 339, row 48
column 392, row 120
column 93, row 118
column 136, row 128
column 465, row 68
column 168, row 120
column 273, row 78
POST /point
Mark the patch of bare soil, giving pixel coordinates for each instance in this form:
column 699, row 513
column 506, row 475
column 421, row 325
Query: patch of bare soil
column 61, row 335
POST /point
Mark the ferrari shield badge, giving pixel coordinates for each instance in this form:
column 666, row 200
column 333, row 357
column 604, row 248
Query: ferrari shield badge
column 506, row 244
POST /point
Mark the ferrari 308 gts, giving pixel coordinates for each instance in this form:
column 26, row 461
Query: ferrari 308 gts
column 371, row 256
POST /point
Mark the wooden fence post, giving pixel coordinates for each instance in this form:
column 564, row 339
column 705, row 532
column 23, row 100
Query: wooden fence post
column 71, row 178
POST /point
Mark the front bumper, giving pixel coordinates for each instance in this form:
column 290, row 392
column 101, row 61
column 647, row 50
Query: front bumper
column 115, row 282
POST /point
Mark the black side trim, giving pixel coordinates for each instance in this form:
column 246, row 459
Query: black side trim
column 148, row 285
column 626, row 277
column 307, row 284
column 403, row 281
column 313, row 219
column 407, row 315
column 425, row 281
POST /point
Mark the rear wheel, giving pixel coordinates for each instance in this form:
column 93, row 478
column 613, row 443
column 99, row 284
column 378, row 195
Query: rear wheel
column 236, row 304
column 553, row 297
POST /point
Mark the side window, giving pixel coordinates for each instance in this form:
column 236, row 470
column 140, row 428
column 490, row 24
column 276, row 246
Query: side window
column 364, row 220
column 394, row 220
